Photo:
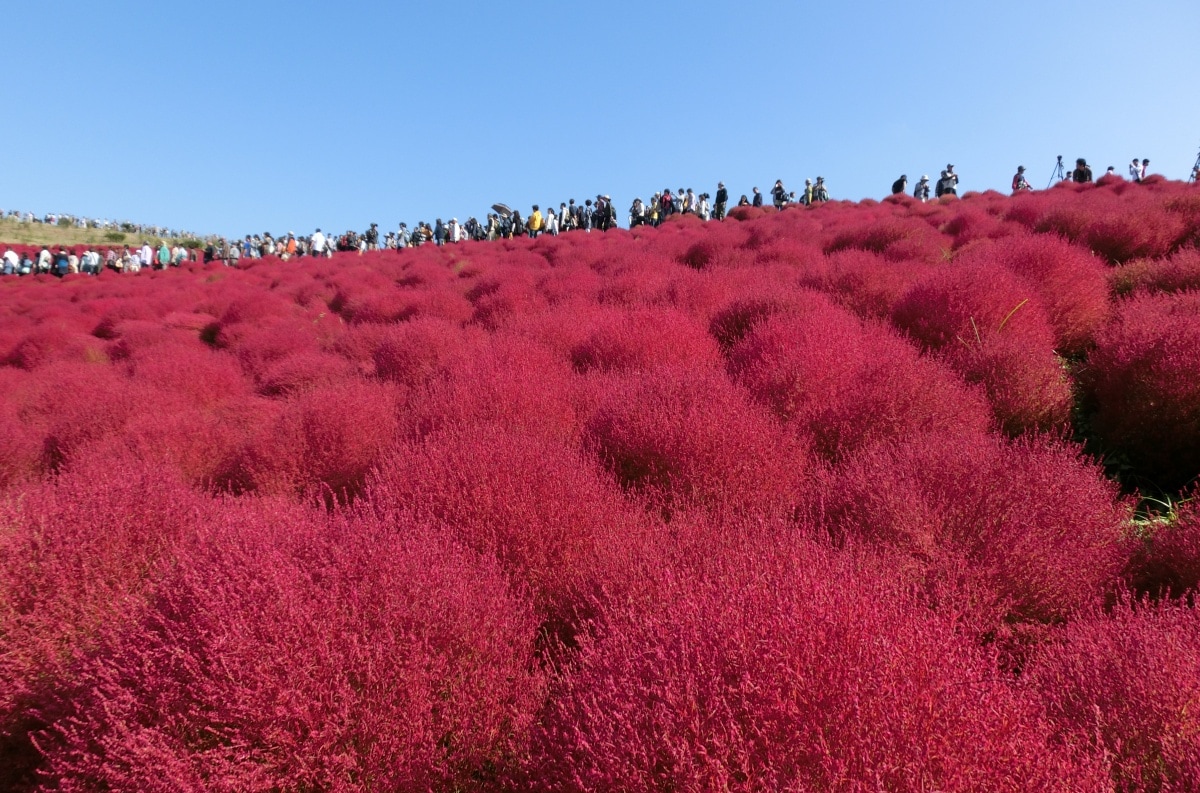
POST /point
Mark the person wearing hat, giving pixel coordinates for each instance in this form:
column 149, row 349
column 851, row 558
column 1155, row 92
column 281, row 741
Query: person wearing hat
column 900, row 184
column 921, row 191
column 1019, row 182
column 721, row 202
column 820, row 191
column 1082, row 173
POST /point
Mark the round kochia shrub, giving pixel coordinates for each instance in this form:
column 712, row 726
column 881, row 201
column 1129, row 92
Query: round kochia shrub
column 692, row 437
column 1070, row 282
column 1013, row 530
column 1143, row 381
column 789, row 668
column 1126, row 686
column 844, row 383
column 78, row 554
column 1168, row 563
column 990, row 326
column 559, row 526
column 287, row 653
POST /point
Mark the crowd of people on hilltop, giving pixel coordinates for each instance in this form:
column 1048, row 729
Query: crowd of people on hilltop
column 72, row 221
column 598, row 214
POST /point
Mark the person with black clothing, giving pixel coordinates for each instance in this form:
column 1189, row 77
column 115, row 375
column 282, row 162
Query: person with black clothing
column 1082, row 173
column 721, row 202
column 900, row 184
column 757, row 198
column 779, row 196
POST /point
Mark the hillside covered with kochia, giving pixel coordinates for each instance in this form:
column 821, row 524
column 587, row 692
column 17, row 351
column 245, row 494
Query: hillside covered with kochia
column 835, row 498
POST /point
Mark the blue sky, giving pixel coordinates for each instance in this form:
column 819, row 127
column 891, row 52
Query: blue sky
column 224, row 117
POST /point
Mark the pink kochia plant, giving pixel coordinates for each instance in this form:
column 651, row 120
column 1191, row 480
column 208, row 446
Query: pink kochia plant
column 998, row 531
column 287, row 652
column 1126, row 685
column 990, row 327
column 844, row 383
column 1144, row 385
column 790, row 668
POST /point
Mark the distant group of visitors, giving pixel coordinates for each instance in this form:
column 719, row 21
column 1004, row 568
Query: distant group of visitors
column 92, row 261
column 502, row 223
column 72, row 221
column 947, row 184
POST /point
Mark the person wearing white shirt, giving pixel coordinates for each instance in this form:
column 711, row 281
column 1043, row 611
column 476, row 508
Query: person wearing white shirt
column 146, row 255
column 318, row 243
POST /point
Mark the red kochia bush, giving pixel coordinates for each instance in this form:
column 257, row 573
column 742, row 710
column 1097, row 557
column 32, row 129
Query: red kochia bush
column 1169, row 561
column 1126, row 685
column 559, row 526
column 1177, row 273
column 510, row 381
column 1025, row 529
column 625, row 340
column 77, row 553
column 1070, row 282
column 789, row 669
column 844, row 384
column 991, row 328
column 1143, row 382
column 327, row 438
column 286, row 654
column 692, row 437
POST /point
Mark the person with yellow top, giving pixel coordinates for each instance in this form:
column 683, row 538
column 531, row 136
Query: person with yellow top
column 534, row 224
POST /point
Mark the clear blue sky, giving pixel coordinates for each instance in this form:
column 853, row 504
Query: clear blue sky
column 235, row 117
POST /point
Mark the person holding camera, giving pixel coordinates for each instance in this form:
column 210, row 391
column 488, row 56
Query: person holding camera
column 921, row 191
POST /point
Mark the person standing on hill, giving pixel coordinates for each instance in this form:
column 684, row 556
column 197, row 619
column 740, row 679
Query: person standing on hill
column 164, row 255
column 758, row 199
column 146, row 255
column 1135, row 170
column 779, row 196
column 721, row 202
column 900, row 184
column 820, row 191
column 1082, row 173
column 1145, row 169
column 318, row 243
column 534, row 226
column 1019, row 182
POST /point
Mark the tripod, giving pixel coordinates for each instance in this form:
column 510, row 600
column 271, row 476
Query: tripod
column 1058, row 174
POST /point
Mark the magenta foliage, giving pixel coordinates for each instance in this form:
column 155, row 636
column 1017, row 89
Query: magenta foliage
column 788, row 667
column 1168, row 563
column 998, row 530
column 1070, row 282
column 77, row 554
column 844, row 383
column 1143, row 383
column 691, row 437
column 287, row 651
column 1126, row 686
column 558, row 525
column 990, row 326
